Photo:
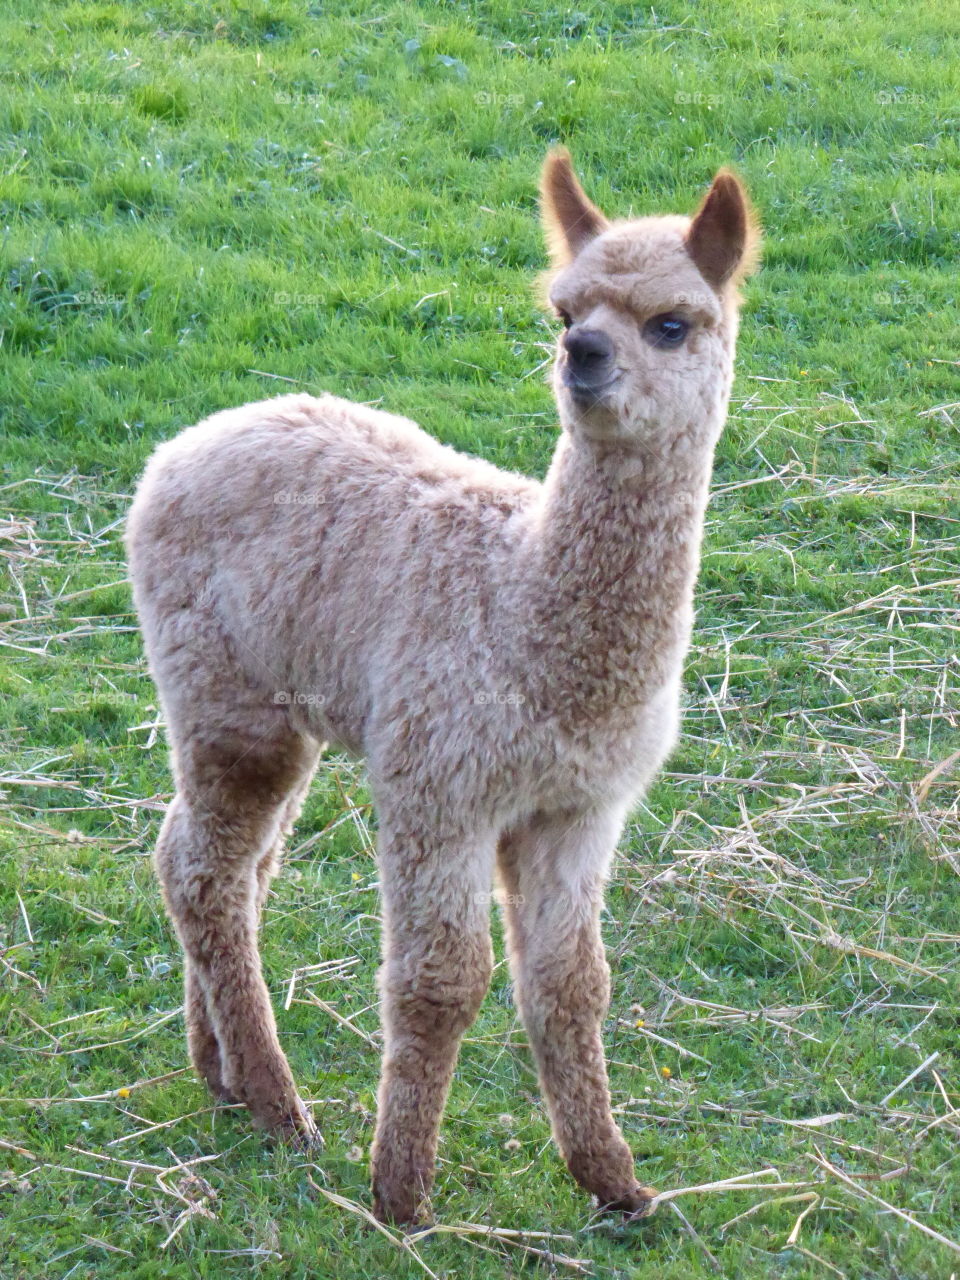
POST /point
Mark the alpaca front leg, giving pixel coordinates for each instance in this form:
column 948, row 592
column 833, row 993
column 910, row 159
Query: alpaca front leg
column 437, row 962
column 552, row 871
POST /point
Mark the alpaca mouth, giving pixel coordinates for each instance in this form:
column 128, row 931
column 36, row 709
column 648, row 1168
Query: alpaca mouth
column 587, row 391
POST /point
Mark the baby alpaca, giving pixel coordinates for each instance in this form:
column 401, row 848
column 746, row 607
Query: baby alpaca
column 506, row 655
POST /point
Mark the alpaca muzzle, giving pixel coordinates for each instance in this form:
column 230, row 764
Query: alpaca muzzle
column 588, row 367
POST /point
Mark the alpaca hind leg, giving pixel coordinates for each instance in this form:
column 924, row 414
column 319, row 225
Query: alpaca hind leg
column 204, row 1048
column 202, row 1043
column 552, row 871
column 269, row 864
column 223, row 825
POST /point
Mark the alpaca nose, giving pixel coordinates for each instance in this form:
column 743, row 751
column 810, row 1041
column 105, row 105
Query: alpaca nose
column 587, row 350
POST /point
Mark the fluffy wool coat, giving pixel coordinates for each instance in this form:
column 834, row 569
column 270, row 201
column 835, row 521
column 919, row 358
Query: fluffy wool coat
column 505, row 654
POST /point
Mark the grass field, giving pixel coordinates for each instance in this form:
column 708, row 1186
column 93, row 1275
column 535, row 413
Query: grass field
column 210, row 203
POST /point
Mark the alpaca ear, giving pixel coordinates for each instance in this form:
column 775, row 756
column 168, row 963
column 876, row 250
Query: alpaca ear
column 723, row 238
column 570, row 220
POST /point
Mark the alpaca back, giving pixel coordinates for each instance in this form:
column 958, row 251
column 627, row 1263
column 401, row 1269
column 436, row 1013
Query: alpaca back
column 335, row 545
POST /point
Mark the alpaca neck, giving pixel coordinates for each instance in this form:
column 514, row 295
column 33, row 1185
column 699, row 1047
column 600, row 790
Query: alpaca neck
column 618, row 553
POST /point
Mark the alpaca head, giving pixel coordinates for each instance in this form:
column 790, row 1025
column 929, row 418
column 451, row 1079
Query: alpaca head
column 649, row 308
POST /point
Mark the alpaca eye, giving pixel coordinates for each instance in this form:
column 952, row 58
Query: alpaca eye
column 565, row 317
column 666, row 330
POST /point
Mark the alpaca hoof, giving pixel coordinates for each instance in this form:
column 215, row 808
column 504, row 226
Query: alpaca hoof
column 402, row 1210
column 639, row 1203
column 292, row 1124
column 217, row 1089
column 298, row 1128
column 412, row 1219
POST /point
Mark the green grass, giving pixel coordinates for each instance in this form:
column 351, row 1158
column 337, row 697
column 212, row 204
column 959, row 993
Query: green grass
column 196, row 197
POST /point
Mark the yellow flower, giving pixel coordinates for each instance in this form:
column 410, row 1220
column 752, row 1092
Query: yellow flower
column 356, row 876
column 666, row 1072
column 803, row 373
column 639, row 1023
column 123, row 1093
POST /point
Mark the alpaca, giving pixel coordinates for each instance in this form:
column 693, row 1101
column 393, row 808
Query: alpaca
column 506, row 654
